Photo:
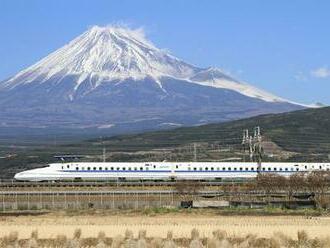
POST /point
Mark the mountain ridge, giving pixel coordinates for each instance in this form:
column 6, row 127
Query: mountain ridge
column 97, row 75
column 98, row 53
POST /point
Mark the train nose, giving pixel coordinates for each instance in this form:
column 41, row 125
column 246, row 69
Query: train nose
column 19, row 176
column 16, row 177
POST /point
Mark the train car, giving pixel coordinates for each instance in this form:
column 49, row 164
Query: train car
column 163, row 170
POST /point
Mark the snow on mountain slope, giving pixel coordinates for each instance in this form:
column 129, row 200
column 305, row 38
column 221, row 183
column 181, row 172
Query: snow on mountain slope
column 114, row 78
column 216, row 78
column 104, row 54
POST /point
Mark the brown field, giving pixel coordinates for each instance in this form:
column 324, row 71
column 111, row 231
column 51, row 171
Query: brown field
column 157, row 225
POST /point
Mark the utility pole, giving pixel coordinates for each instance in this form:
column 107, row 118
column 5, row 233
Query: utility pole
column 104, row 154
column 257, row 147
column 245, row 142
column 251, row 148
column 254, row 145
column 195, row 152
column 104, row 150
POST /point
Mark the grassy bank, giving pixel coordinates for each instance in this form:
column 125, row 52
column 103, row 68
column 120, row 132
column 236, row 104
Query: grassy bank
column 233, row 211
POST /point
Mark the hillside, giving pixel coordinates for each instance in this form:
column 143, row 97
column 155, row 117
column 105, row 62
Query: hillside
column 304, row 131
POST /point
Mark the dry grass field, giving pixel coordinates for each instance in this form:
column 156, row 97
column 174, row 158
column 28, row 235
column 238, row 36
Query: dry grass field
column 112, row 224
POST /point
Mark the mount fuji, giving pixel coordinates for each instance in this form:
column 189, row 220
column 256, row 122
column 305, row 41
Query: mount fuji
column 113, row 77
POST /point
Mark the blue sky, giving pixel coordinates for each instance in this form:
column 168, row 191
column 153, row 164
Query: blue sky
column 281, row 46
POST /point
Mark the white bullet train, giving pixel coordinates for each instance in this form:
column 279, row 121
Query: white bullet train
column 163, row 170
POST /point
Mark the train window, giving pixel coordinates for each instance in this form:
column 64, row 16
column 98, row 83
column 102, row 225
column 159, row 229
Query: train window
column 94, row 168
column 200, row 168
column 240, row 168
column 106, row 168
column 100, row 168
column 263, row 169
column 124, row 168
column 88, row 168
column 252, row 169
column 62, row 167
column 195, row 168
column 118, row 168
column 218, row 168
column 224, row 168
column 275, row 169
column 154, row 166
column 77, row 168
column 68, row 166
column 235, row 168
column 141, row 168
column 306, row 167
column 320, row 167
column 281, row 169
column 135, row 168
column 129, row 168
column 229, row 168
column 189, row 168
column 269, row 168
column 246, row 168
column 297, row 169
column 206, row 168
column 111, row 168
column 177, row 167
column 286, row 169
column 212, row 168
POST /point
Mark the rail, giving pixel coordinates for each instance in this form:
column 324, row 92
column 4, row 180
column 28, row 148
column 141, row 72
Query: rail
column 13, row 183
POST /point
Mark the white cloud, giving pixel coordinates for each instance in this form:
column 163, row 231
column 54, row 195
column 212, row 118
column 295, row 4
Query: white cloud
column 322, row 72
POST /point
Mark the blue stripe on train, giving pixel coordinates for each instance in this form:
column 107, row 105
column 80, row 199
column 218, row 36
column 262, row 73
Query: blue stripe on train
column 116, row 171
column 179, row 171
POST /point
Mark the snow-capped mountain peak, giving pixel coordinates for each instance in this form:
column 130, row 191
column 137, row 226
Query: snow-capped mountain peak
column 106, row 53
column 113, row 77
column 112, row 53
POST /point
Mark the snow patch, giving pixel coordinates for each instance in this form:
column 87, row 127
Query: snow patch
column 106, row 126
column 170, row 124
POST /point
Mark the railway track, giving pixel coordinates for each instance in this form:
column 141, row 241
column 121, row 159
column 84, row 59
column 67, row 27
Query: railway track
column 18, row 184
column 203, row 193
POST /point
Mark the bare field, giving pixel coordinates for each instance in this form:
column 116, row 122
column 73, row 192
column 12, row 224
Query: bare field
column 157, row 225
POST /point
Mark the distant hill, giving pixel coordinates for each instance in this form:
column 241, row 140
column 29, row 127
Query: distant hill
column 305, row 132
